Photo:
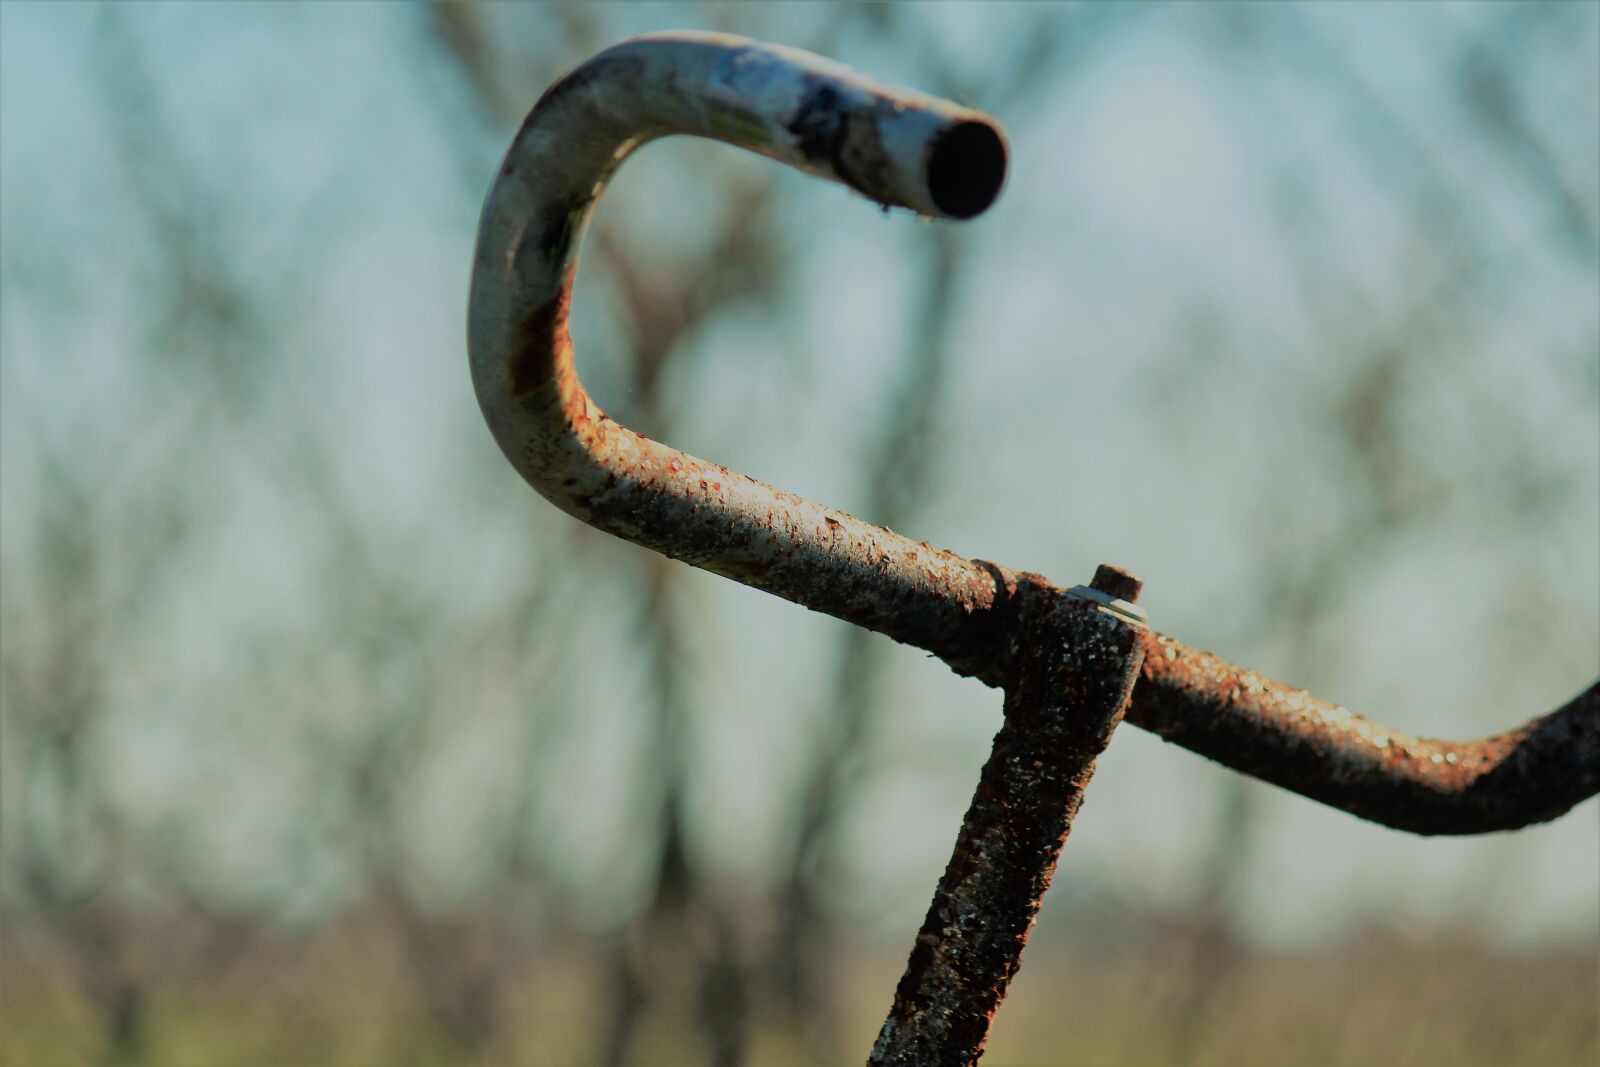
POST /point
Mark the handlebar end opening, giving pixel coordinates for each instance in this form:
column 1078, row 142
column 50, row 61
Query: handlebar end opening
column 967, row 169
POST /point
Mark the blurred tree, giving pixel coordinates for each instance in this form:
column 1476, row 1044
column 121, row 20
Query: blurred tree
column 664, row 299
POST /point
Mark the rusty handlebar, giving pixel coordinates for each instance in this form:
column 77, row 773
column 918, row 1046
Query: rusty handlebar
column 902, row 149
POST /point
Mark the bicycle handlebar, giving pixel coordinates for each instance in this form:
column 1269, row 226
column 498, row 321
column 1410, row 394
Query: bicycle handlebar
column 903, row 149
column 896, row 147
column 1324, row 751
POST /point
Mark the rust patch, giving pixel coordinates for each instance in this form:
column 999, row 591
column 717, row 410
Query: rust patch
column 1324, row 751
column 541, row 343
column 1117, row 581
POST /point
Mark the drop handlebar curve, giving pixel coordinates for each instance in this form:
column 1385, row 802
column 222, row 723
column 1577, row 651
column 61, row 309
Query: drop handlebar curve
column 901, row 149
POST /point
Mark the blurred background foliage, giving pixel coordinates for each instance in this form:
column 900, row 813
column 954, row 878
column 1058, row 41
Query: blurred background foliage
column 325, row 741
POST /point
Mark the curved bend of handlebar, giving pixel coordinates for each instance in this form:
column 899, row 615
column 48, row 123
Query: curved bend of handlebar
column 898, row 148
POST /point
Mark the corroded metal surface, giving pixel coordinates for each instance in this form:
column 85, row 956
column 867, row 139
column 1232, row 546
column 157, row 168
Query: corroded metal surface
column 1288, row 737
column 1067, row 664
column 1075, row 666
column 895, row 146
column 933, row 157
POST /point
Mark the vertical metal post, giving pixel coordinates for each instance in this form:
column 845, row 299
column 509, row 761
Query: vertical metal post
column 1077, row 658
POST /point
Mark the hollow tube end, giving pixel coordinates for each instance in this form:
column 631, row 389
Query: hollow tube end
column 967, row 168
column 893, row 145
column 934, row 157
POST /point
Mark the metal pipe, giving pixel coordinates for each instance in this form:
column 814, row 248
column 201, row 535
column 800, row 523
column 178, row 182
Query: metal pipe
column 898, row 148
column 1076, row 665
column 1324, row 751
column 895, row 146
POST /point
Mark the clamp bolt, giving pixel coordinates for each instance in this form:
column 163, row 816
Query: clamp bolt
column 1117, row 582
column 1114, row 589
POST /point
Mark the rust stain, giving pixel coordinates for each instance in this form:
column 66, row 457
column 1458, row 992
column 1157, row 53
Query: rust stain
column 1324, row 751
column 542, row 343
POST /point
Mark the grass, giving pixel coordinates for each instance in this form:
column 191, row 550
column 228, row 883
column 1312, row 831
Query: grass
column 343, row 995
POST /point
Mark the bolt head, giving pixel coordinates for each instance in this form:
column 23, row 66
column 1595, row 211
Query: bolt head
column 1118, row 582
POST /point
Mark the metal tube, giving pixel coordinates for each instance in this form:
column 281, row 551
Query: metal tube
column 895, row 146
column 904, row 149
column 1324, row 751
column 1076, row 666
